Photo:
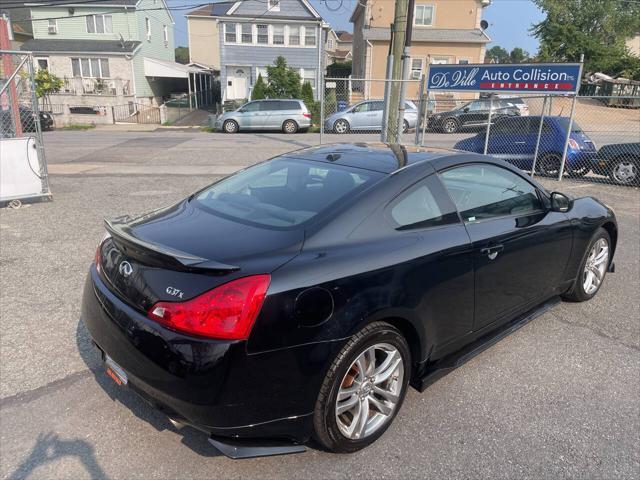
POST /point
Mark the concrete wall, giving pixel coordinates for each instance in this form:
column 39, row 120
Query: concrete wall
column 204, row 41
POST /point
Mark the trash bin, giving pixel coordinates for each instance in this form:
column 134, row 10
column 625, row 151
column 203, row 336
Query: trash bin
column 342, row 105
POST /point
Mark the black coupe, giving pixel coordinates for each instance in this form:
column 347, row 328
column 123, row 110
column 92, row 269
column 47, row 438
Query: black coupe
column 301, row 296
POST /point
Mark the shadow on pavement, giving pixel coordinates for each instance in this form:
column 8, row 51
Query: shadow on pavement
column 191, row 438
column 50, row 448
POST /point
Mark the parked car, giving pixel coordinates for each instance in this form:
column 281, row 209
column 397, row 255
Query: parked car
column 27, row 120
column 472, row 115
column 620, row 162
column 303, row 295
column 516, row 101
column 288, row 116
column 514, row 140
column 367, row 116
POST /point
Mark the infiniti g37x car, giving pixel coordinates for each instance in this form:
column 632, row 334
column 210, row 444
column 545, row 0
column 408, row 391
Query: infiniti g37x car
column 302, row 296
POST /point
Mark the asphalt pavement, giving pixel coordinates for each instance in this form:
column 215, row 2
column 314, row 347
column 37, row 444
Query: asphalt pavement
column 560, row 398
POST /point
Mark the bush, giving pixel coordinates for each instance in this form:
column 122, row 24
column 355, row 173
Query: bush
column 259, row 89
column 284, row 82
column 314, row 110
column 306, row 94
column 330, row 102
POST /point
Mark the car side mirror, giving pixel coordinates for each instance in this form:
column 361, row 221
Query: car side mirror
column 466, row 109
column 560, row 202
column 241, row 110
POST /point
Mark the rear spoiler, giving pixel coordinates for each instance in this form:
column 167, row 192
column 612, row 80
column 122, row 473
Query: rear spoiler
column 121, row 234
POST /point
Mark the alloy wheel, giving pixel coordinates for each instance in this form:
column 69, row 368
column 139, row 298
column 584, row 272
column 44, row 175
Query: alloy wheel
column 370, row 391
column 450, row 126
column 625, row 172
column 290, row 126
column 230, row 126
column 595, row 266
column 341, row 126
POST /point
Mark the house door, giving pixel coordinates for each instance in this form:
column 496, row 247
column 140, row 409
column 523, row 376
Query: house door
column 237, row 82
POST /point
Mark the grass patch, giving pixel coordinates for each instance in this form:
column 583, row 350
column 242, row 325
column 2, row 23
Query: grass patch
column 208, row 129
column 79, row 126
column 313, row 129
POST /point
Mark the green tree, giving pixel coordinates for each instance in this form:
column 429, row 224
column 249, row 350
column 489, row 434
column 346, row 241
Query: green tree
column 518, row 55
column 596, row 28
column 46, row 83
column 283, row 82
column 497, row 54
column 330, row 102
column 339, row 69
column 259, row 89
column 182, row 55
column 306, row 94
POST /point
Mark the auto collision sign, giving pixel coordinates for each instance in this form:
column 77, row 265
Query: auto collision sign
column 549, row 77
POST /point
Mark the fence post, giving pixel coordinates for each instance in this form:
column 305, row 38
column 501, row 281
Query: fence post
column 113, row 115
column 421, row 108
column 486, row 138
column 566, row 140
column 535, row 153
column 425, row 121
column 323, row 82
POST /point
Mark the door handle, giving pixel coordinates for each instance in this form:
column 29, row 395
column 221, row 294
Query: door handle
column 492, row 252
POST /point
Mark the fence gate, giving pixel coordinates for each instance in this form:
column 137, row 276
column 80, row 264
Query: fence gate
column 23, row 167
column 136, row 113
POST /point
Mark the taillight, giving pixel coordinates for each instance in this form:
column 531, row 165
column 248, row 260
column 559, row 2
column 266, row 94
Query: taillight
column 97, row 259
column 226, row 312
column 306, row 115
column 573, row 144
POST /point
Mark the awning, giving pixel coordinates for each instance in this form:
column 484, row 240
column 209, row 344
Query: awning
column 163, row 69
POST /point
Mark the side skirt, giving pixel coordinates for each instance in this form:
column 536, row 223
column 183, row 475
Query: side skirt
column 437, row 370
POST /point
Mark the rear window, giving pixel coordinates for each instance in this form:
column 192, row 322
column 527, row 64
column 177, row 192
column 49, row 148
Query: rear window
column 564, row 124
column 282, row 192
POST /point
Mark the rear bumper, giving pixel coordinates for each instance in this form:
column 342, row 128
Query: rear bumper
column 213, row 385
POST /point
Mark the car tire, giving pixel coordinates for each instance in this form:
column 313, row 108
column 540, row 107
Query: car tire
column 548, row 165
column 586, row 286
column 341, row 126
column 450, row 125
column 230, row 126
column 289, row 126
column 579, row 170
column 363, row 408
column 625, row 170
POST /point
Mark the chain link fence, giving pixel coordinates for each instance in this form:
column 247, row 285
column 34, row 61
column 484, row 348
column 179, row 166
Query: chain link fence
column 22, row 156
column 597, row 139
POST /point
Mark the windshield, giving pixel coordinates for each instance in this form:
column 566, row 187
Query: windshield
column 282, row 192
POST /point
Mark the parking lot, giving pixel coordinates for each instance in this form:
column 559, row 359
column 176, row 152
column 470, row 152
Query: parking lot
column 560, row 398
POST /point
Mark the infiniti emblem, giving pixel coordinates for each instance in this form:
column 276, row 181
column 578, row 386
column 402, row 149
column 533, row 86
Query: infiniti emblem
column 125, row 269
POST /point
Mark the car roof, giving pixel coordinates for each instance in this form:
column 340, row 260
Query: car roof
column 376, row 156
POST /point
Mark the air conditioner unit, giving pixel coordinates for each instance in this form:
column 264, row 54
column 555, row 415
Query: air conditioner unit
column 416, row 75
column 53, row 29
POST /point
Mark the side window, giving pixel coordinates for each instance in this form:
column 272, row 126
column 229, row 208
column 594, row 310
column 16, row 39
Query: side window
column 363, row 107
column 251, row 107
column 478, row 106
column 420, row 207
column 375, row 106
column 269, row 105
column 485, row 191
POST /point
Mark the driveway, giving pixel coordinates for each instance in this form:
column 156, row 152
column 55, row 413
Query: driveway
column 560, row 398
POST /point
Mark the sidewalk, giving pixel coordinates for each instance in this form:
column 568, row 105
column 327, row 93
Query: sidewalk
column 128, row 127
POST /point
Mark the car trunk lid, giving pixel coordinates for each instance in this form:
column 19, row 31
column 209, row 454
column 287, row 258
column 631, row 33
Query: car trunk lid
column 179, row 252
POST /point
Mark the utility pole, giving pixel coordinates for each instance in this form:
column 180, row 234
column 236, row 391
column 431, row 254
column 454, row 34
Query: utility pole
column 398, row 38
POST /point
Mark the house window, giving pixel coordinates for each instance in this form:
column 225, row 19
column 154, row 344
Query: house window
column 90, row 67
column 278, row 34
column 99, row 24
column 439, row 60
column 294, row 35
column 309, row 36
column 247, row 33
column 263, row 34
column 165, row 35
column 308, row 75
column 330, row 44
column 463, row 62
column 423, row 15
column 43, row 63
column 230, row 33
column 416, row 68
column 53, row 26
column 274, row 5
column 147, row 27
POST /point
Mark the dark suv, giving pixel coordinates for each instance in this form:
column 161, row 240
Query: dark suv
column 472, row 114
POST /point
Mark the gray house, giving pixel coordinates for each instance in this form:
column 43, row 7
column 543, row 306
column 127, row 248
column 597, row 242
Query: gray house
column 250, row 35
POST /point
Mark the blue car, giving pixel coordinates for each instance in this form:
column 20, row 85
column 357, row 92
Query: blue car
column 514, row 140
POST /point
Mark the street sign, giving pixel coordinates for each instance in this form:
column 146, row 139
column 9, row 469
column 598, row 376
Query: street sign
column 330, row 84
column 517, row 78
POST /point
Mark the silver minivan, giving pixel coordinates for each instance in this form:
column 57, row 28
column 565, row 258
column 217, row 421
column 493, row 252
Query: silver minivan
column 288, row 116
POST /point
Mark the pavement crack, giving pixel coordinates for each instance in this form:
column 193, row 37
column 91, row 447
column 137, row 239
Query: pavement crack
column 51, row 387
column 597, row 332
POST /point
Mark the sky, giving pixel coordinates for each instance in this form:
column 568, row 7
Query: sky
column 509, row 20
